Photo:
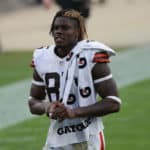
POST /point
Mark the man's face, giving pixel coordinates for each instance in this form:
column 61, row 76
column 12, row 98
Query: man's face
column 65, row 32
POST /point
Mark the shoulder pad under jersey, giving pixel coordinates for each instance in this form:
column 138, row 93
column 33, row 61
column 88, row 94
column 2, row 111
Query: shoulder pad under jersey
column 97, row 46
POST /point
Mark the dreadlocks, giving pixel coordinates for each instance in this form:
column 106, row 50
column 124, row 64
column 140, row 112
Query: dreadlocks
column 72, row 14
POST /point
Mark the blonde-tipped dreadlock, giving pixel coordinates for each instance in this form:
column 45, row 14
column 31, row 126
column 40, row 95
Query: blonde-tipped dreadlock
column 72, row 14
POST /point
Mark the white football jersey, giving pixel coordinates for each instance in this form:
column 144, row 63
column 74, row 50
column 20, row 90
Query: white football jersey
column 52, row 69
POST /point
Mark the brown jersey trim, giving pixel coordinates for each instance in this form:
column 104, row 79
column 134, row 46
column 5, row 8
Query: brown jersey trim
column 101, row 58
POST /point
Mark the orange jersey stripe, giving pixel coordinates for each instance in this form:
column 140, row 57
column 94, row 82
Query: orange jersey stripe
column 101, row 60
column 101, row 57
column 102, row 147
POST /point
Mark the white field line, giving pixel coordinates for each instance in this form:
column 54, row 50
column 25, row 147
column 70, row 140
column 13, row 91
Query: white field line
column 131, row 66
column 14, row 106
column 128, row 67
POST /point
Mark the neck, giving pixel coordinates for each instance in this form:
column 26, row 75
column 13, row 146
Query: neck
column 63, row 51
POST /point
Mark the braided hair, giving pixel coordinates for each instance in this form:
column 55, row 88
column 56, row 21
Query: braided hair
column 75, row 15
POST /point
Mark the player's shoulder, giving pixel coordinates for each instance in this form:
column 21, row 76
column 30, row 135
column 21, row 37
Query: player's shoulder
column 95, row 46
column 41, row 51
column 96, row 52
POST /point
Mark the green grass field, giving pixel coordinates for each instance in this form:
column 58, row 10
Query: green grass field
column 129, row 129
column 126, row 130
column 14, row 66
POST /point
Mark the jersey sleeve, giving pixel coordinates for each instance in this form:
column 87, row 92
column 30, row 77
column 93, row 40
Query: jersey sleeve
column 37, row 78
column 37, row 53
column 97, row 52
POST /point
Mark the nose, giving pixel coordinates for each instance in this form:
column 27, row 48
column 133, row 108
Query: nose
column 58, row 30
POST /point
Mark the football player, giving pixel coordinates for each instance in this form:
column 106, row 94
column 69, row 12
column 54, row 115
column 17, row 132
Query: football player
column 72, row 73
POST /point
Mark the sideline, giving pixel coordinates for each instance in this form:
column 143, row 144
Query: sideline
column 128, row 67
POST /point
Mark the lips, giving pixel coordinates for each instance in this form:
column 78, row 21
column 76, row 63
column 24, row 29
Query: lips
column 58, row 38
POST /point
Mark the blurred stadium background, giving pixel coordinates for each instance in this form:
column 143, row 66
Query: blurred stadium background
column 122, row 24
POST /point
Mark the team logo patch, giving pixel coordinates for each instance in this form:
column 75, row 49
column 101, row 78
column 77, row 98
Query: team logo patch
column 85, row 92
column 82, row 62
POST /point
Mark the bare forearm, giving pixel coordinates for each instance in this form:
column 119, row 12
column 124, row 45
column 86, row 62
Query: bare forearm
column 38, row 107
column 101, row 108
